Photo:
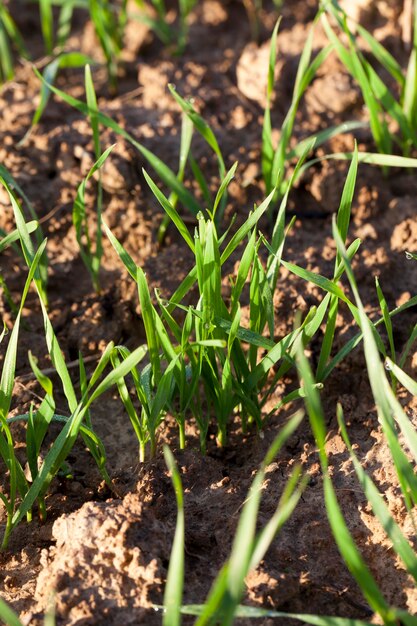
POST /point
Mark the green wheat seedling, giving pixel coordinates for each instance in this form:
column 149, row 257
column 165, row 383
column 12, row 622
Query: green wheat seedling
column 202, row 127
column 169, row 34
column 91, row 254
column 216, row 364
column 393, row 421
column 153, row 396
column 9, row 37
column 276, row 159
column 347, row 547
column 22, row 495
column 326, row 363
column 223, row 606
column 382, row 104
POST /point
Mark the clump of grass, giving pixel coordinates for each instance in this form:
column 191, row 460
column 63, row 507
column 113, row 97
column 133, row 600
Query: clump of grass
column 382, row 104
column 336, row 295
column 24, row 493
column 216, row 366
column 109, row 21
column 394, row 422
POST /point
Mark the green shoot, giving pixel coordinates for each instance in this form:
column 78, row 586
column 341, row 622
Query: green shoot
column 91, row 255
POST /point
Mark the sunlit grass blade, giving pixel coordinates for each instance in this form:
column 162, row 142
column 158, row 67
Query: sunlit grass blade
column 318, row 139
column 343, row 221
column 280, row 229
column 387, row 320
column 412, row 338
column 201, row 126
column 124, row 256
column 187, row 130
column 148, row 317
column 382, row 55
column 14, row 235
column 9, row 617
column 68, row 435
column 91, row 255
column 343, row 537
column 222, row 190
column 267, row 145
column 175, row 577
column 170, row 211
column 318, row 280
column 47, row 24
column 241, row 233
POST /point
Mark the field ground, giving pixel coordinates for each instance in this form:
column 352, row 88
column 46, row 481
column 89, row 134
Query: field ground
column 106, row 554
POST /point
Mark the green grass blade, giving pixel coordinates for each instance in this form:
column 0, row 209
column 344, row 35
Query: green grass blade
column 201, row 126
column 343, row 214
column 227, row 590
column 321, row 137
column 380, row 509
column 241, row 233
column 47, row 24
column 222, row 189
column 267, row 145
column 318, row 280
column 148, row 316
column 175, row 577
column 344, row 540
column 8, row 616
column 383, row 56
column 14, row 235
column 170, row 211
column 387, row 319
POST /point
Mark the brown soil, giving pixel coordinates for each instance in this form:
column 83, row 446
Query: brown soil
column 104, row 555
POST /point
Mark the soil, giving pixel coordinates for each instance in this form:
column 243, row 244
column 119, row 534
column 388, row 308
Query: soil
column 102, row 556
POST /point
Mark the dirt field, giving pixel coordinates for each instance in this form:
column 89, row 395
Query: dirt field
column 106, row 554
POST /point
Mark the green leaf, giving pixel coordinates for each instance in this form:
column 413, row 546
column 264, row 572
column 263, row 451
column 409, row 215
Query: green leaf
column 175, row 577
